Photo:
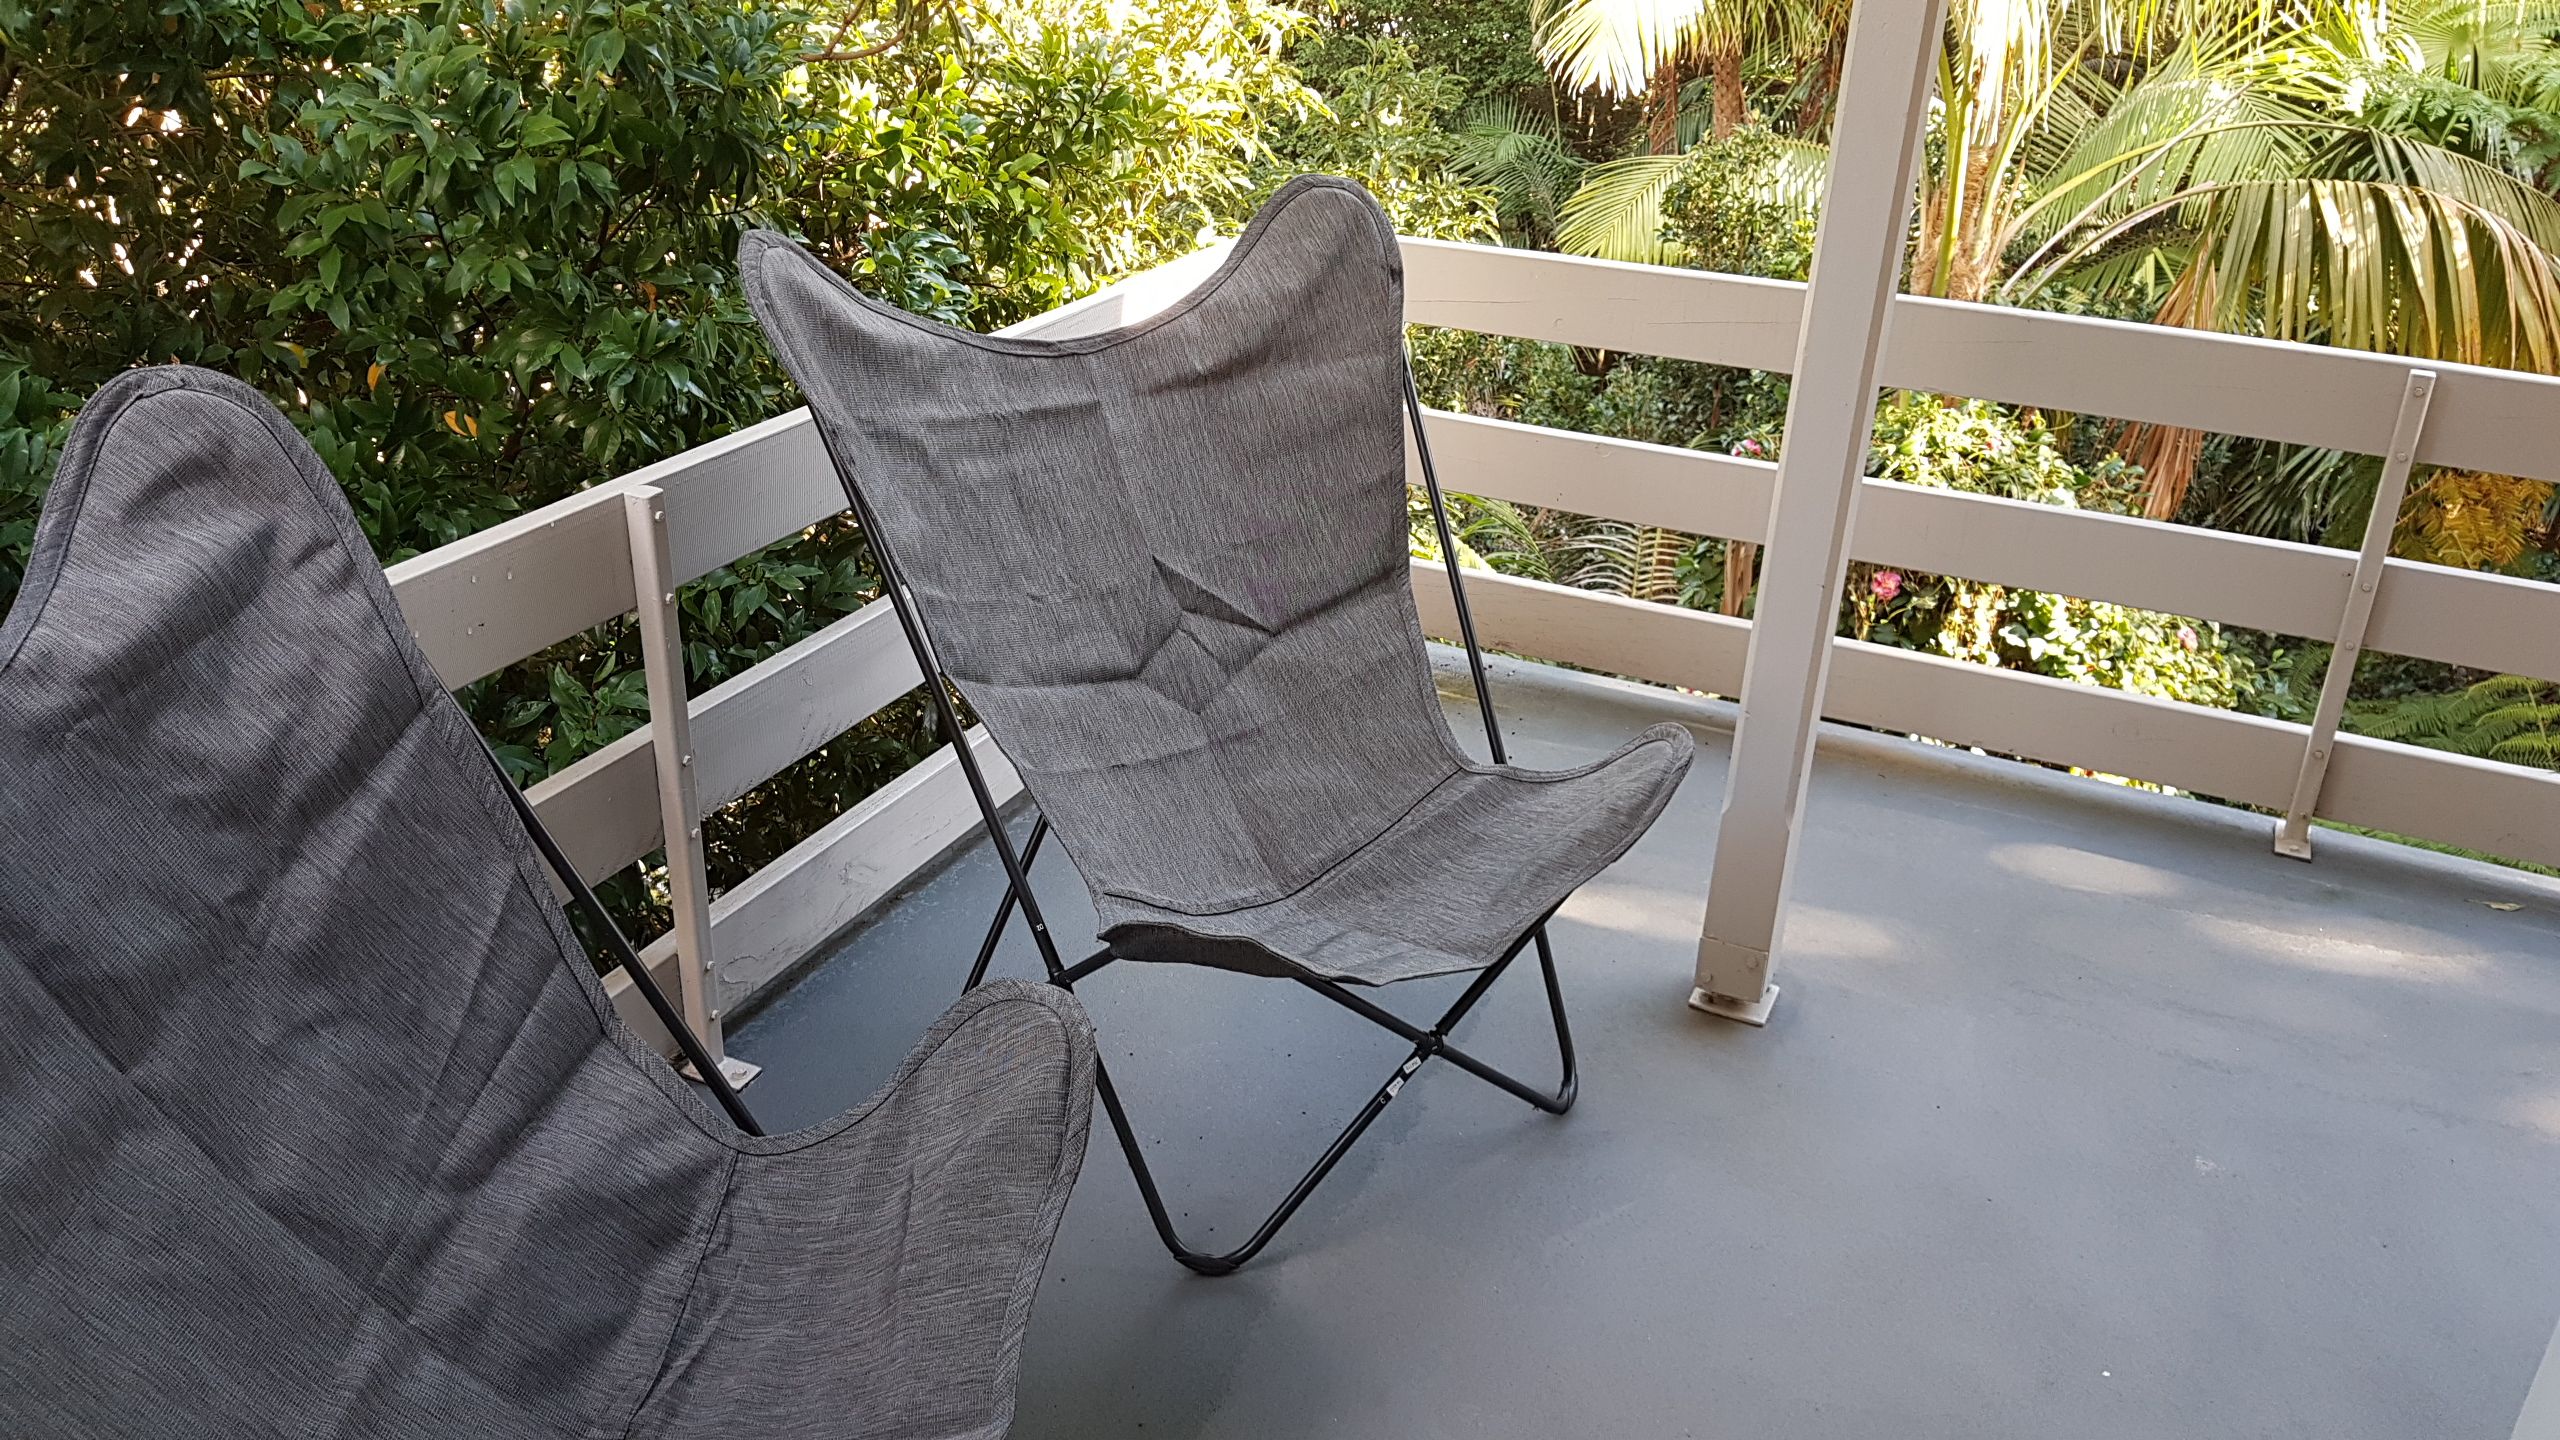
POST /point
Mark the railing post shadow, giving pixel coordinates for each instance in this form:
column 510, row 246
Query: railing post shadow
column 1857, row 266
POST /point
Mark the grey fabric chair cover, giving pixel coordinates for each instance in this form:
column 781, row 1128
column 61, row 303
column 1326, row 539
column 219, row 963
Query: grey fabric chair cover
column 1167, row 565
column 317, row 1121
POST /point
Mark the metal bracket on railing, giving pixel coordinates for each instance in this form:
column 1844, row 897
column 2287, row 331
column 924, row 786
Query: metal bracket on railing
column 2293, row 835
column 644, row 508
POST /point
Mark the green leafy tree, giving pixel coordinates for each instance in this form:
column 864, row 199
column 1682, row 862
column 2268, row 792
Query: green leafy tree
column 1983, row 449
column 1381, row 124
column 481, row 252
column 1003, row 156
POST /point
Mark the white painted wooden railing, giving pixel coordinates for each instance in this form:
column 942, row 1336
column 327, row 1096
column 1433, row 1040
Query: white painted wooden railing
column 496, row 597
column 2481, row 419
column 510, row 591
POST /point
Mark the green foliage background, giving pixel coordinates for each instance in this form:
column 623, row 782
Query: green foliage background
column 481, row 252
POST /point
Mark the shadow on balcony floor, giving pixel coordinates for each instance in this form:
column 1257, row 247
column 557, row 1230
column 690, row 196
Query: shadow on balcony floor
column 2083, row 1115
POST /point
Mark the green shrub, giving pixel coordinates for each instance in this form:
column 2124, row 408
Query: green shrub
column 2511, row 718
column 481, row 253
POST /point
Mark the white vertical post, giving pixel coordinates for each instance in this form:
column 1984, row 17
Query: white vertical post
column 2541, row 1417
column 2293, row 833
column 1857, row 267
column 644, row 510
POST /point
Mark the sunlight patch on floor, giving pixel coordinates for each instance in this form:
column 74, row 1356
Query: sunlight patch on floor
column 2427, row 958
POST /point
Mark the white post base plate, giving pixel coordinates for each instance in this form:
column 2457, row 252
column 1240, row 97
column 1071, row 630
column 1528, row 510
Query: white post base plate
column 1755, row 1012
column 739, row 1073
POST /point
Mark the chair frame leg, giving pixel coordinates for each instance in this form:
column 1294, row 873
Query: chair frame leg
column 1428, row 1044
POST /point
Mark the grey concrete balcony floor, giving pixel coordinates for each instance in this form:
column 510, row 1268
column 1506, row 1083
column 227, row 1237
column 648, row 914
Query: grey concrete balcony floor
column 2083, row 1115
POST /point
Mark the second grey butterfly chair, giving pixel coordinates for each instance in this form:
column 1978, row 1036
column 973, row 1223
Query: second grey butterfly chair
column 320, row 1126
column 1168, row 566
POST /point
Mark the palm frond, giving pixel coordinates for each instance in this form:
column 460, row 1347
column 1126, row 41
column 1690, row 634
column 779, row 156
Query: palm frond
column 2295, row 492
column 2143, row 271
column 1641, row 562
column 1603, row 555
column 1619, row 46
column 2483, row 187
column 1616, row 46
column 1506, row 538
column 1519, row 155
column 2372, row 265
column 1616, row 214
column 2500, row 47
column 1798, row 169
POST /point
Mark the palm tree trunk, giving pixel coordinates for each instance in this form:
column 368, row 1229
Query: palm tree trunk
column 1924, row 254
column 1975, row 259
column 1814, row 114
column 1741, row 558
column 1662, row 131
column 1725, row 68
column 2168, row 453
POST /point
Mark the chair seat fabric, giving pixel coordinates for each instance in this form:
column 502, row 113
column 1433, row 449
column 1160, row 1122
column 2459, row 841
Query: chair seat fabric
column 1168, row 566
column 1449, row 887
column 320, row 1126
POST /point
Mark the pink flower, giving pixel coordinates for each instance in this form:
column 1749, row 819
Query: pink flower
column 2187, row 636
column 1887, row 584
column 1747, row 447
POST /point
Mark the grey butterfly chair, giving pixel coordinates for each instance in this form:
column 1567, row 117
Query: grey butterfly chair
column 1168, row 566
column 319, row 1123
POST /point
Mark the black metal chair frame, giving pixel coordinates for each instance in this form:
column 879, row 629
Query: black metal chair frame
column 1427, row 1044
column 617, row 944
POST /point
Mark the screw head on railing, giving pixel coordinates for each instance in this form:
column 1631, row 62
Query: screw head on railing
column 669, row 597
column 658, row 515
column 684, row 759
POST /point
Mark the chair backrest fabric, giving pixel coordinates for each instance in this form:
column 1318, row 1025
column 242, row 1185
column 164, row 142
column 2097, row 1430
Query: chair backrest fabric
column 1167, row 563
column 318, row 1122
column 264, row 956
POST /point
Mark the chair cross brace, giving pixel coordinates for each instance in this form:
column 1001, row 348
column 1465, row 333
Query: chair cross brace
column 1427, row 1044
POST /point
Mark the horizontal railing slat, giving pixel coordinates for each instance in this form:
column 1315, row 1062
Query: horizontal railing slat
column 509, row 592
column 2460, row 617
column 2500, row 809
column 604, row 809
column 772, row 922
column 2482, row 418
column 492, row 598
column 1635, row 638
column 2237, row 579
column 1692, row 490
column 1604, row 304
